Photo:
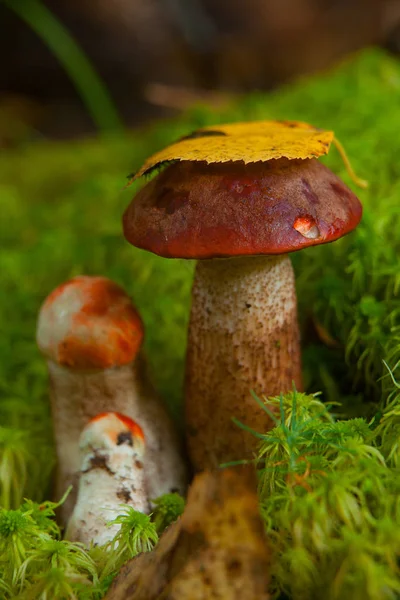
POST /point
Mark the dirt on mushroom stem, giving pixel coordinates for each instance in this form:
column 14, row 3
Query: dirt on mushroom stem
column 243, row 336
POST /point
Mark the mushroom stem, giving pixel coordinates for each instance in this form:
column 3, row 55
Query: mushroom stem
column 111, row 456
column 90, row 334
column 99, row 502
column 77, row 396
column 243, row 336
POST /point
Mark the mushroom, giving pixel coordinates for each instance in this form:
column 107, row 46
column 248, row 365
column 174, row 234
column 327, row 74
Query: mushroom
column 91, row 334
column 112, row 449
column 241, row 221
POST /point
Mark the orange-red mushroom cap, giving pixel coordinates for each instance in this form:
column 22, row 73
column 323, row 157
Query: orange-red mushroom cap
column 108, row 430
column 116, row 423
column 199, row 210
column 89, row 323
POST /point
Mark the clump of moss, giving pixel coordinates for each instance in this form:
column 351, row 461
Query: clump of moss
column 33, row 558
column 330, row 503
column 35, row 563
column 137, row 534
column 168, row 508
column 388, row 424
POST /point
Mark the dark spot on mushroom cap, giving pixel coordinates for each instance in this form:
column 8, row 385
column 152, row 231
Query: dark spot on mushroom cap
column 308, row 192
column 237, row 209
column 340, row 189
column 242, row 188
column 170, row 201
column 125, row 437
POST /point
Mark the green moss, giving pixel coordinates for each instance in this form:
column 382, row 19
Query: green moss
column 330, row 503
column 137, row 534
column 168, row 508
column 61, row 207
column 35, row 563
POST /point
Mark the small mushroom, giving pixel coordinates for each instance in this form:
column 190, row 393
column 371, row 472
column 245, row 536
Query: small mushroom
column 91, row 334
column 241, row 221
column 112, row 448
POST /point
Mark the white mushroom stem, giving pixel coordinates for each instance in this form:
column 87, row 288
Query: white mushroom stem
column 78, row 396
column 99, row 501
column 243, row 336
column 109, row 479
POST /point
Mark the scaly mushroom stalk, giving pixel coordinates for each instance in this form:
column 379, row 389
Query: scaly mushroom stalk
column 243, row 333
column 112, row 449
column 91, row 335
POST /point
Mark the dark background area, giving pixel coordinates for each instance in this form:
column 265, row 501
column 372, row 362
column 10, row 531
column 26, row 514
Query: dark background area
column 158, row 56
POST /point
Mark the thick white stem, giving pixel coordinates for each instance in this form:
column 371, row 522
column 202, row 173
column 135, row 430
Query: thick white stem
column 243, row 336
column 77, row 397
column 106, row 482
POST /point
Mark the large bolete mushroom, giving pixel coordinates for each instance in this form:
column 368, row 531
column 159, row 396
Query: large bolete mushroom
column 240, row 221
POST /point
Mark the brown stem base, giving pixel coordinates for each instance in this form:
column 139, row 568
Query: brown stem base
column 216, row 550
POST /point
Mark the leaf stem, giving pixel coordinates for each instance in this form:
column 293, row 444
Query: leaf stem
column 80, row 70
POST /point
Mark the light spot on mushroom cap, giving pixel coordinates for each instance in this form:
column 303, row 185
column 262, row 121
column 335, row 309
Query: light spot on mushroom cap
column 89, row 323
column 307, row 227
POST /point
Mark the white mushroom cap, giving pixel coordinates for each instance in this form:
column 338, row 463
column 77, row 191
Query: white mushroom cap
column 114, row 436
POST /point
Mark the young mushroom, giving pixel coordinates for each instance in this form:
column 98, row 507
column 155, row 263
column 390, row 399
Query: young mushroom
column 112, row 450
column 240, row 220
column 91, row 335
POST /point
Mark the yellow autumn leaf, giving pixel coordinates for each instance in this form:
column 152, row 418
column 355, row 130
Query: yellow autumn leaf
column 247, row 142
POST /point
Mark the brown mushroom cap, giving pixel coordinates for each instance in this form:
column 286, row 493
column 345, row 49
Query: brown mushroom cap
column 199, row 210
